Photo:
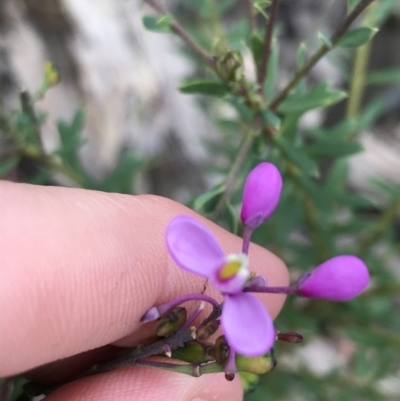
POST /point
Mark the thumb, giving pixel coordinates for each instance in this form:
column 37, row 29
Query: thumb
column 79, row 268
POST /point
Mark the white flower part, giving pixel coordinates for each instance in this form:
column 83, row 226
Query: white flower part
column 232, row 276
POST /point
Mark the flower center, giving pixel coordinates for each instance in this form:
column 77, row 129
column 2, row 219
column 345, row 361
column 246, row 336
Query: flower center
column 236, row 264
column 230, row 270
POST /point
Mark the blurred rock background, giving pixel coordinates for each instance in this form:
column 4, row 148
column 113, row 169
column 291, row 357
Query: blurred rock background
column 126, row 78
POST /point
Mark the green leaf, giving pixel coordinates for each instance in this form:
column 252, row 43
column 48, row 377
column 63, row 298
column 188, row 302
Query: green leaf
column 71, row 140
column 209, row 9
column 209, row 88
column 122, row 179
column 318, row 194
column 6, row 166
column 337, row 177
column 245, row 113
column 232, row 218
column 272, row 71
column 257, row 46
column 249, row 381
column 209, row 199
column 319, row 96
column 332, row 148
column 352, row 3
column 270, row 118
column 353, row 200
column 301, row 55
column 297, row 156
column 357, row 37
column 325, row 39
column 387, row 76
column 158, row 24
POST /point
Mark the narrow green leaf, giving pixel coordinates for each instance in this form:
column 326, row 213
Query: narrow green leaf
column 301, row 58
column 319, row 96
column 209, row 88
column 158, row 24
column 301, row 55
column 232, row 218
column 337, row 177
column 257, row 46
column 209, row 199
column 245, row 113
column 71, row 140
column 353, row 200
column 332, row 148
column 297, row 156
column 320, row 197
column 325, row 39
column 270, row 118
column 272, row 71
column 352, row 3
column 6, row 166
column 387, row 76
column 357, row 37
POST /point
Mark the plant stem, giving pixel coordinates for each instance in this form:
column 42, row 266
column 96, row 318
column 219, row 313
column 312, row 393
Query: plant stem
column 300, row 73
column 290, row 290
column 141, row 352
column 358, row 78
column 179, row 30
column 269, row 30
column 193, row 370
column 234, row 170
column 29, row 110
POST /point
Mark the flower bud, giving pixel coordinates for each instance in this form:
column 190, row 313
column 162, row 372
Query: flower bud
column 261, row 194
column 259, row 365
column 290, row 337
column 203, row 333
column 338, row 279
column 171, row 322
column 194, row 352
column 221, row 350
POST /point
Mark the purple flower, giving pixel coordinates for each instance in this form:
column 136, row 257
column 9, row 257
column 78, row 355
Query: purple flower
column 261, row 194
column 246, row 324
column 338, row 279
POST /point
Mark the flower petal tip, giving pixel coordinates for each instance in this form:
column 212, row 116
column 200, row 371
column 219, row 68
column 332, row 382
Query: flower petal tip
column 247, row 325
column 150, row 315
column 261, row 194
column 193, row 246
column 338, row 279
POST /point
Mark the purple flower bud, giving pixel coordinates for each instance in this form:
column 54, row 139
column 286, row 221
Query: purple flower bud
column 338, row 279
column 261, row 194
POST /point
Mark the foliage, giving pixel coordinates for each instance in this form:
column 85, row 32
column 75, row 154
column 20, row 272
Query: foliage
column 319, row 215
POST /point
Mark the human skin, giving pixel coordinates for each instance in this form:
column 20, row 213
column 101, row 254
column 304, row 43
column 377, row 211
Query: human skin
column 79, row 268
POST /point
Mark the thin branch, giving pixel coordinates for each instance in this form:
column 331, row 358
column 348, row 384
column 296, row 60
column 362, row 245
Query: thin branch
column 299, row 74
column 360, row 66
column 179, row 30
column 141, row 352
column 235, row 168
column 269, row 30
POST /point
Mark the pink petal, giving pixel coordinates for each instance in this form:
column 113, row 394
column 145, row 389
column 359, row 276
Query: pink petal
column 338, row 279
column 261, row 194
column 247, row 325
column 193, row 246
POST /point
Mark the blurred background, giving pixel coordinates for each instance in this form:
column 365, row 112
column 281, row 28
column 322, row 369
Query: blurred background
column 118, row 123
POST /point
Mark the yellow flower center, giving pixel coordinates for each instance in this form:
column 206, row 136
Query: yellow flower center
column 230, row 269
